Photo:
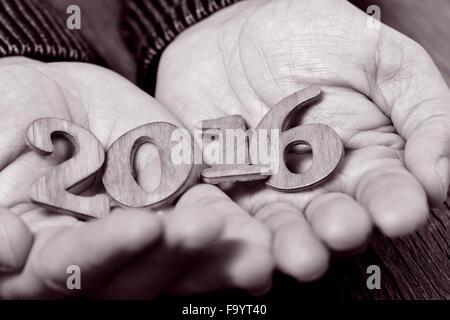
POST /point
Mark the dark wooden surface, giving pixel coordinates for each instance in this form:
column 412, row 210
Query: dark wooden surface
column 413, row 267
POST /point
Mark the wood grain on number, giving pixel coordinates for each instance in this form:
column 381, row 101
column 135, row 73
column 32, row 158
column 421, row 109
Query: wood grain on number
column 234, row 171
column 119, row 178
column 242, row 172
column 221, row 125
column 327, row 147
column 50, row 190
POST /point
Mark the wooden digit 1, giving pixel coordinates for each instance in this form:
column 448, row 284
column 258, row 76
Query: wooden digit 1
column 119, row 177
column 234, row 144
column 327, row 147
column 50, row 190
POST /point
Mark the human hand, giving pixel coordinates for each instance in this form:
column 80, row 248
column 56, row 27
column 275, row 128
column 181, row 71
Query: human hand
column 133, row 253
column 383, row 95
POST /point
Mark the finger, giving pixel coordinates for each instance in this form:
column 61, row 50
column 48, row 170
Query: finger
column 97, row 248
column 229, row 264
column 15, row 183
column 377, row 178
column 238, row 223
column 395, row 199
column 409, row 88
column 339, row 221
column 15, row 242
column 297, row 250
column 240, row 259
column 17, row 177
column 188, row 230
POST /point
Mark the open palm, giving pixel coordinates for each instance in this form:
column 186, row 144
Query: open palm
column 131, row 253
column 382, row 94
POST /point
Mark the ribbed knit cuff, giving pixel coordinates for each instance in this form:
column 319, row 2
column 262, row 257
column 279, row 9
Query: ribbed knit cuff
column 30, row 28
column 150, row 25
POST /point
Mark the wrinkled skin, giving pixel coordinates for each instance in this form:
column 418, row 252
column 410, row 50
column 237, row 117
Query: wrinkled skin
column 383, row 95
column 131, row 253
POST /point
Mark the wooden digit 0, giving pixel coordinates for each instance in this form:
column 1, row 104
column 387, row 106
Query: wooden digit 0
column 50, row 190
column 119, row 178
column 327, row 147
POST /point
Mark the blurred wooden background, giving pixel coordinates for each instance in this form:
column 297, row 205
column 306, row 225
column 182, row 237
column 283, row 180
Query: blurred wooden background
column 413, row 267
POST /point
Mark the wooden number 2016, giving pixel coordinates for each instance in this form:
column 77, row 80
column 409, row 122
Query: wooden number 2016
column 119, row 179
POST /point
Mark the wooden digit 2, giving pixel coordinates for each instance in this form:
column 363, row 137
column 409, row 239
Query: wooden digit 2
column 327, row 147
column 50, row 190
column 119, row 177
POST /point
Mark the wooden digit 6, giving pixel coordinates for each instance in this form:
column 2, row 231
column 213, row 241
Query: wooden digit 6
column 50, row 190
column 327, row 147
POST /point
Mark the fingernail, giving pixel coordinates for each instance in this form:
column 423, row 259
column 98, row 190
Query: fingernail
column 443, row 170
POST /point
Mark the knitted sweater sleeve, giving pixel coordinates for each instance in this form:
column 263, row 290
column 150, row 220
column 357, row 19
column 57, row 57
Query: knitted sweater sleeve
column 33, row 29
column 150, row 25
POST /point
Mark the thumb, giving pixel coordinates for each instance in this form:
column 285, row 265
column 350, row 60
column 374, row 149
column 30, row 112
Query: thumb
column 15, row 242
column 411, row 90
column 427, row 156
